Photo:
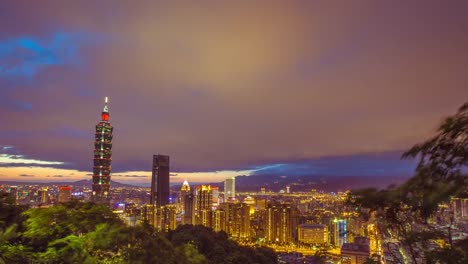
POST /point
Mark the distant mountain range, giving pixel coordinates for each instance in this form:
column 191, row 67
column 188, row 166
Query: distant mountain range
column 306, row 183
column 76, row 184
column 269, row 182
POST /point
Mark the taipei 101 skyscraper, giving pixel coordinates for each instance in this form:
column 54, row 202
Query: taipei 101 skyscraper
column 102, row 158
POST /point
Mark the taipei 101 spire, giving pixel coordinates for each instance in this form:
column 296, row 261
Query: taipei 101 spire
column 102, row 158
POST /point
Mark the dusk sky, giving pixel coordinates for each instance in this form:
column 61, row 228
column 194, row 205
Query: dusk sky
column 224, row 88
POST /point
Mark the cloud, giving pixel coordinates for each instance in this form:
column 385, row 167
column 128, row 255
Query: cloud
column 26, row 175
column 229, row 86
column 56, row 176
column 20, row 160
column 130, row 176
column 383, row 164
column 25, row 56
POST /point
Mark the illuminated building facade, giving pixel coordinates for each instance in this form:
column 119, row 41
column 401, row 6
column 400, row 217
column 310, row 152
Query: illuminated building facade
column 184, row 191
column 229, row 188
column 280, row 223
column 237, row 218
column 44, row 196
column 313, row 234
column 148, row 214
column 339, row 232
column 102, row 158
column 215, row 195
column 204, row 197
column 166, row 218
column 160, row 181
column 219, row 220
column 204, row 203
column 64, row 194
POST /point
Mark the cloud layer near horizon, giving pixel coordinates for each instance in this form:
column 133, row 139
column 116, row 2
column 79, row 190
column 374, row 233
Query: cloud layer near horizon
column 226, row 86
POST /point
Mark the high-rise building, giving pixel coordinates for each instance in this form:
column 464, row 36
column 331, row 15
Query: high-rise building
column 242, row 221
column 280, row 223
column 215, row 195
column 219, row 220
column 339, row 232
column 102, row 158
column 148, row 214
column 166, row 218
column 43, row 196
column 204, row 197
column 204, row 203
column 229, row 188
column 237, row 219
column 160, row 181
column 184, row 191
column 189, row 209
column 64, row 194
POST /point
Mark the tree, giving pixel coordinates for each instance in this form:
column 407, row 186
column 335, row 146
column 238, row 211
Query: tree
column 188, row 254
column 216, row 247
column 403, row 211
column 148, row 246
column 439, row 174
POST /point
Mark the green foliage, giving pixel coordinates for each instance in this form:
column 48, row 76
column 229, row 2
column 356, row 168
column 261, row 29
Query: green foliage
column 90, row 233
column 188, row 254
column 10, row 213
column 217, row 248
column 148, row 246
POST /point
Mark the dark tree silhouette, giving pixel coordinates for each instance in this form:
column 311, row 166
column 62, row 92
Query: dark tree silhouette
column 403, row 211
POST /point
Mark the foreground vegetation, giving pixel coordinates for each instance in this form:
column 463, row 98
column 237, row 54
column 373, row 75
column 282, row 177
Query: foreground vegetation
column 404, row 212
column 90, row 233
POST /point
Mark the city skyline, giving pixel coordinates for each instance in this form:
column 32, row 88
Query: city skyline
column 291, row 89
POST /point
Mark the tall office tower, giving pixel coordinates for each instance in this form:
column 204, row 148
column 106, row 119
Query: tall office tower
column 44, row 196
column 229, row 188
column 280, row 223
column 184, row 191
column 102, row 158
column 189, row 209
column 160, row 181
column 64, row 194
column 204, row 205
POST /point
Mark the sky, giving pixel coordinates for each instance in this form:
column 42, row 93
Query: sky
column 226, row 88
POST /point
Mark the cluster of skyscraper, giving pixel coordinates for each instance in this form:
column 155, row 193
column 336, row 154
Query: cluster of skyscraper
column 314, row 219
